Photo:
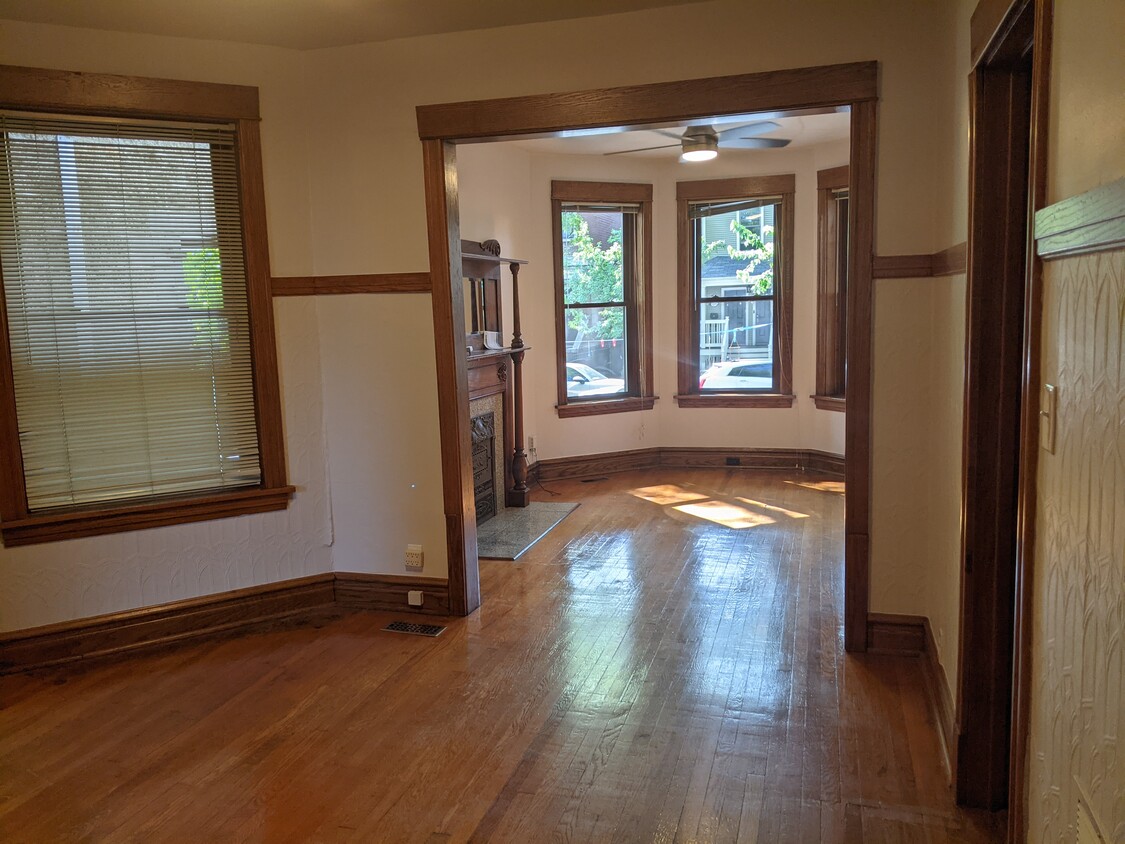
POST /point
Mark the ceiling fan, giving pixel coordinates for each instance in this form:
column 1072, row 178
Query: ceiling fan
column 702, row 143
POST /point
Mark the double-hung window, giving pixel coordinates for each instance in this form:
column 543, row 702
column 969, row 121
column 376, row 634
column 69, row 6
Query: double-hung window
column 736, row 283
column 603, row 268
column 832, row 288
column 138, row 387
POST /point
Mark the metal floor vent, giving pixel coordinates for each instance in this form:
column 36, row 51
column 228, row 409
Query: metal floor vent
column 416, row 629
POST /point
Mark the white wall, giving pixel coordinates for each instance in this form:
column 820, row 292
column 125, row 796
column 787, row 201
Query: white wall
column 41, row 584
column 497, row 179
column 357, row 206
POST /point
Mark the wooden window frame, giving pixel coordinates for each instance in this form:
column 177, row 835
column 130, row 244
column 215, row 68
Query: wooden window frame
column 107, row 95
column 689, row 394
column 638, row 298
column 831, row 353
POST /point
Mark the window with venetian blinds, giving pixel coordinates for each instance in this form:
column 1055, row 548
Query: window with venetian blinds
column 125, row 290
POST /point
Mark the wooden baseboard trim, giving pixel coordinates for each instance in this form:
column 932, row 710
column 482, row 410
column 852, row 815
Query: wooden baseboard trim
column 951, row 261
column 326, row 285
column 941, row 701
column 912, row 636
column 594, row 465
column 150, row 627
column 899, row 635
column 608, row 463
column 355, row 590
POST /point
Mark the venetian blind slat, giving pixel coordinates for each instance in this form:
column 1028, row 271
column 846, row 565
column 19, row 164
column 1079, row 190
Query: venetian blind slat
column 125, row 288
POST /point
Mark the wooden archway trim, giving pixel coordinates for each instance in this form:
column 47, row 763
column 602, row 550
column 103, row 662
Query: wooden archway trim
column 440, row 127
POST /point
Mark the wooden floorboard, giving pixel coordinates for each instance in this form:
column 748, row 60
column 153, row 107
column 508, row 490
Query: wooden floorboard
column 666, row 665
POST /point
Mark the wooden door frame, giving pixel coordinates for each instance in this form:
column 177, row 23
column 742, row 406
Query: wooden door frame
column 993, row 663
column 442, row 127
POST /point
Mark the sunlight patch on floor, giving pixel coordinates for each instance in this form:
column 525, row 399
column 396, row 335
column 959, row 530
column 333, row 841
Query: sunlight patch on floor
column 727, row 515
column 665, row 494
column 773, row 508
column 836, row 487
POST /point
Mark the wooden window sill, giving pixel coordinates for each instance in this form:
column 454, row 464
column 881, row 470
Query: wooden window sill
column 93, row 521
column 836, row 403
column 602, row 406
column 736, row 400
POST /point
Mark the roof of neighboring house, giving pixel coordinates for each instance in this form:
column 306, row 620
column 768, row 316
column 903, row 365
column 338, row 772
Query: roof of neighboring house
column 724, row 266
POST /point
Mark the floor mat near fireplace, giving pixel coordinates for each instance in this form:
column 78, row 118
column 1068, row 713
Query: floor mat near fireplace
column 515, row 529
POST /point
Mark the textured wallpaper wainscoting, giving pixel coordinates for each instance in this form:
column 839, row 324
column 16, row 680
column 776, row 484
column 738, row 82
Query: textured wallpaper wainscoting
column 1078, row 710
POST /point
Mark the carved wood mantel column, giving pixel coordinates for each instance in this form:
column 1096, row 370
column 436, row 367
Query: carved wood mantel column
column 520, row 496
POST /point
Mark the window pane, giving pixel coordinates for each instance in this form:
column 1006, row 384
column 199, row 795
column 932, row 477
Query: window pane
column 736, row 248
column 595, row 352
column 593, row 256
column 736, row 345
column 123, row 273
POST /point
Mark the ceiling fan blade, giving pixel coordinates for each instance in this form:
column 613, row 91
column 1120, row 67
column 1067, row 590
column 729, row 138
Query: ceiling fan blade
column 667, row 134
column 754, row 143
column 749, row 129
column 640, row 149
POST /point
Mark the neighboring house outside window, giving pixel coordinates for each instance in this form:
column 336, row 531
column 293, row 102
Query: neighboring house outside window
column 735, row 292
column 138, row 381
column 603, row 296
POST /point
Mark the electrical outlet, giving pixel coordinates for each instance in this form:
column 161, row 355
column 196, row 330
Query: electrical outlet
column 414, row 597
column 531, row 443
column 414, row 557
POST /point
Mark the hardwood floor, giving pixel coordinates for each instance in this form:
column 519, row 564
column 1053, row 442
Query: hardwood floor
column 666, row 665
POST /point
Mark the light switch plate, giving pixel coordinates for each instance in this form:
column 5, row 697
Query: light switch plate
column 1047, row 413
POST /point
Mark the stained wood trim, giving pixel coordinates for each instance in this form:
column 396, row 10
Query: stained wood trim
column 634, row 105
column 607, row 463
column 1027, row 505
column 151, row 627
column 356, row 590
column 703, row 190
column 941, row 700
column 1090, row 222
column 951, row 261
column 638, row 297
column 328, row 285
column 604, row 406
column 43, row 89
column 570, row 191
column 173, row 510
column 857, row 423
column 855, row 85
column 50, row 90
column 901, row 635
column 592, row 465
column 749, row 400
column 990, row 23
column 834, row 178
column 687, row 341
column 831, row 354
column 439, row 162
column 836, row 403
column 263, row 343
column 903, row 266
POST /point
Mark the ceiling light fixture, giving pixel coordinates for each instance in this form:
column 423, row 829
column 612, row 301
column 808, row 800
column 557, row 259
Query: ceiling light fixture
column 701, row 147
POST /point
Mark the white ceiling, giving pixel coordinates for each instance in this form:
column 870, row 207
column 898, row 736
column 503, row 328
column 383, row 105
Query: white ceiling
column 802, row 131
column 310, row 24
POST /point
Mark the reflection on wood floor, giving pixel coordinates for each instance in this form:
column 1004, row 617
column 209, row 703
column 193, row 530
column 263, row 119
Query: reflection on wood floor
column 666, row 665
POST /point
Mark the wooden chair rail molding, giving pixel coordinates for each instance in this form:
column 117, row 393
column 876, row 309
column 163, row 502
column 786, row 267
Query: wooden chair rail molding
column 326, row 285
column 289, row 601
column 951, row 261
